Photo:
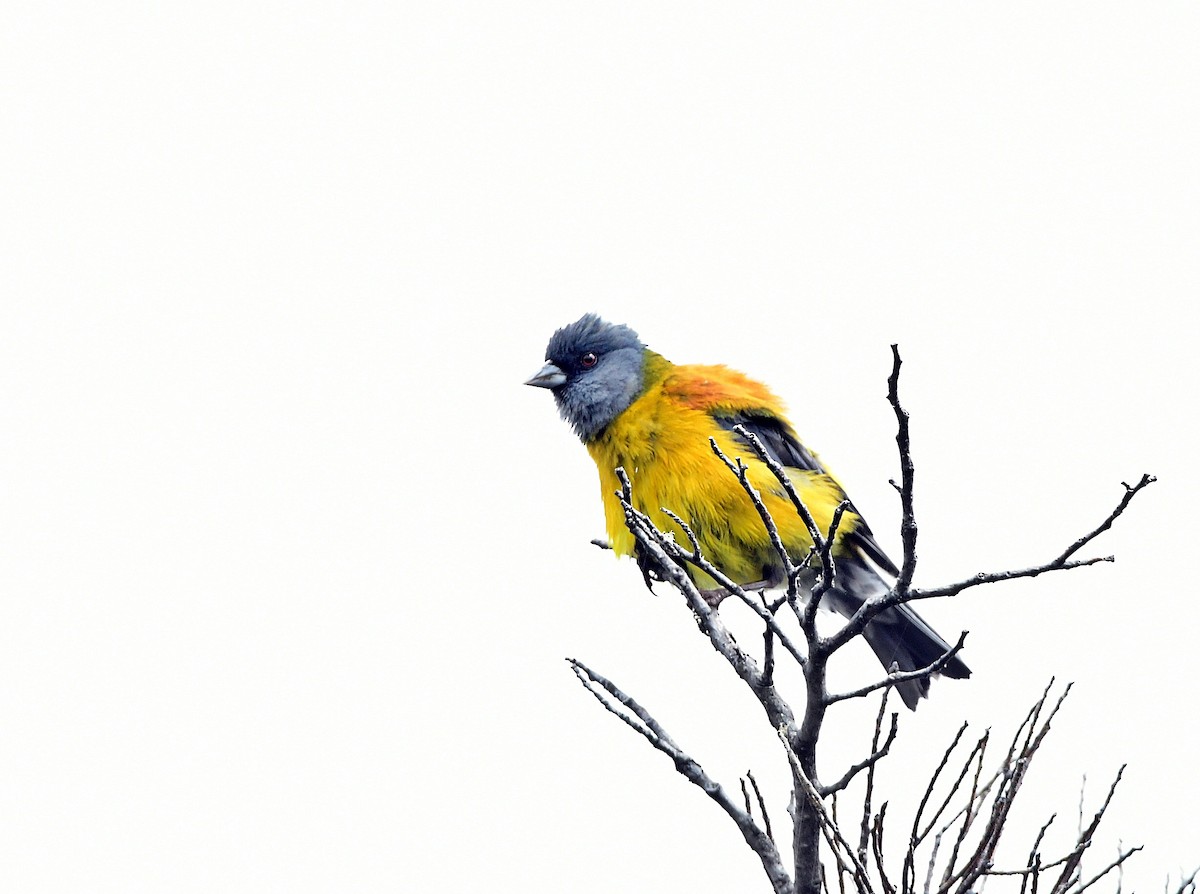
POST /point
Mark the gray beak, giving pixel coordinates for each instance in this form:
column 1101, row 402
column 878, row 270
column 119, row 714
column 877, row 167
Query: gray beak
column 549, row 376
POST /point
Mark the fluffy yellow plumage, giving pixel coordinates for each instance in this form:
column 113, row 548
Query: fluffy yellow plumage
column 662, row 442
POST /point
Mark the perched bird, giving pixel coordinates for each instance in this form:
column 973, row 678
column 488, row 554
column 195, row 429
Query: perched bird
column 634, row 409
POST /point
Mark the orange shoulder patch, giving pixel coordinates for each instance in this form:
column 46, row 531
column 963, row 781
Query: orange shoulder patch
column 718, row 388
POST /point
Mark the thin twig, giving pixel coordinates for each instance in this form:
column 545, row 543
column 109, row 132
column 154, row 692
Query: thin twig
column 742, row 472
column 901, row 676
column 994, row 577
column 968, row 813
column 1028, row 870
column 1130, row 493
column 915, row 837
column 1187, row 884
column 1035, row 857
column 828, row 568
column 1121, row 858
column 1015, row 766
column 869, row 793
column 877, row 846
column 908, row 523
column 902, row 593
column 697, row 558
column 606, row 692
column 777, row 469
column 1085, row 837
column 762, row 806
column 869, row 761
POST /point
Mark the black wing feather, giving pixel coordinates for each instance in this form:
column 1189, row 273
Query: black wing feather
column 784, row 447
column 896, row 635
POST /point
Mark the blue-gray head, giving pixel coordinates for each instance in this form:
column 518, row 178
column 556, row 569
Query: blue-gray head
column 594, row 370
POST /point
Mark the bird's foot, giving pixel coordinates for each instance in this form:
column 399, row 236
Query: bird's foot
column 715, row 596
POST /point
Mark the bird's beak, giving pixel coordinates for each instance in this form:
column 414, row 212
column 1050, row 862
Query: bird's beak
column 549, row 376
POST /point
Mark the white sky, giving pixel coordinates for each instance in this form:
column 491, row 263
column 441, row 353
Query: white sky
column 291, row 559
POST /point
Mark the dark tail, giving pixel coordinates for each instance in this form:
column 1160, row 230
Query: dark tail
column 897, row 635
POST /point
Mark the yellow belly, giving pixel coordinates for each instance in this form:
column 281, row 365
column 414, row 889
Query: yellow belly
column 665, row 451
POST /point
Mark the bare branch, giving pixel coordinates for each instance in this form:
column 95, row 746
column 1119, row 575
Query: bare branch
column 606, row 692
column 869, row 761
column 663, row 551
column 1085, row 838
column 1130, row 493
column 841, row 867
column 877, row 842
column 968, row 813
column 789, row 487
column 915, row 837
column 762, row 806
column 902, row 593
column 697, row 558
column 908, row 873
column 1187, row 884
column 828, row 568
column 768, row 654
column 1013, row 771
column 741, row 471
column 933, row 854
column 869, row 792
column 901, row 676
column 908, row 522
column 1121, row 858
column 838, row 844
column 1035, row 857
column 1028, row 870
column 993, row 577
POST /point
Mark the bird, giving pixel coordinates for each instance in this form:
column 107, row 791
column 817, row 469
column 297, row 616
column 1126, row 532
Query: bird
column 634, row 409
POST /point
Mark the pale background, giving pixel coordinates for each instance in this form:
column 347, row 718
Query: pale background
column 290, row 559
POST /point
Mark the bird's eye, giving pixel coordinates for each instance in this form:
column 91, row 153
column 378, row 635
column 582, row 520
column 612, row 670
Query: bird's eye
column 588, row 360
